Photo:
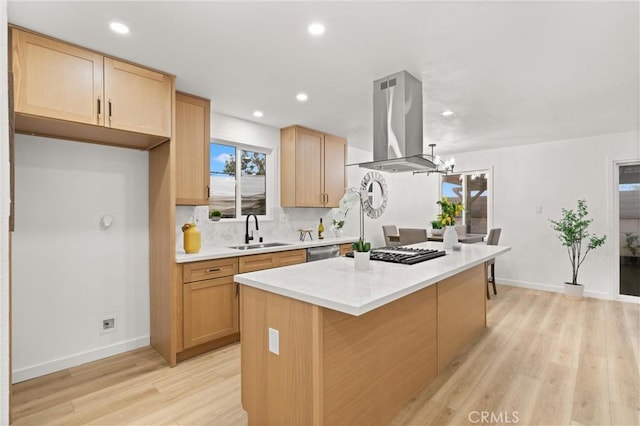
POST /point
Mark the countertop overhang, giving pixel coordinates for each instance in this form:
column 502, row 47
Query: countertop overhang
column 335, row 284
column 219, row 252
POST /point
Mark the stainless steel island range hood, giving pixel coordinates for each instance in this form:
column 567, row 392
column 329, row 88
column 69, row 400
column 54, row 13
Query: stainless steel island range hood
column 397, row 125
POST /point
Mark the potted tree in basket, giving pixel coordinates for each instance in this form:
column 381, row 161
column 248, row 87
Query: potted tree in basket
column 573, row 233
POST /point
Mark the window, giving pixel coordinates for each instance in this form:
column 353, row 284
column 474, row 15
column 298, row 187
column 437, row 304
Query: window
column 237, row 188
column 471, row 189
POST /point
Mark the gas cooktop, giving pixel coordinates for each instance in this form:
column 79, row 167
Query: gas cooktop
column 404, row 255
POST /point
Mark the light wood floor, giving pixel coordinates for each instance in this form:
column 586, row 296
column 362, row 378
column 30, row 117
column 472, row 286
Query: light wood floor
column 553, row 361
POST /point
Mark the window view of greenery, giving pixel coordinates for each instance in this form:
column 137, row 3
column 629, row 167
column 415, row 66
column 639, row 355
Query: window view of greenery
column 470, row 189
column 237, row 189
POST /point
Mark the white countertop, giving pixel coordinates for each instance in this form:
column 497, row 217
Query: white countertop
column 218, row 252
column 335, row 284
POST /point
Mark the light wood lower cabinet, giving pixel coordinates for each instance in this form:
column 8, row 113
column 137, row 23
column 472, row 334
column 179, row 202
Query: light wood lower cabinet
column 291, row 257
column 209, row 316
column 259, row 262
column 209, row 301
column 345, row 248
column 210, row 310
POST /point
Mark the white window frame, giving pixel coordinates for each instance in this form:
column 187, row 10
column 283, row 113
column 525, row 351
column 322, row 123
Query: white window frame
column 489, row 173
column 269, row 181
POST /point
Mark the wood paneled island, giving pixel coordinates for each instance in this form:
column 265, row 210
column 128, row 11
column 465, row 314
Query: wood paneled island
column 324, row 344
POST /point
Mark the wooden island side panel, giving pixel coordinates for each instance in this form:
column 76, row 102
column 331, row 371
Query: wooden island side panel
column 462, row 312
column 375, row 363
column 279, row 389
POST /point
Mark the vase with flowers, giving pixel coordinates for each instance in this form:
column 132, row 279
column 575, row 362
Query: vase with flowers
column 447, row 218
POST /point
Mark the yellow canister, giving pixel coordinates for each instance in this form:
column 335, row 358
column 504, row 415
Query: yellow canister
column 191, row 240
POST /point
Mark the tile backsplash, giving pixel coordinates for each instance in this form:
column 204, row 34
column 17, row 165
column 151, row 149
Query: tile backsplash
column 225, row 233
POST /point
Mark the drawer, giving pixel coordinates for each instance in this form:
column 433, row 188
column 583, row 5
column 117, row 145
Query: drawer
column 257, row 262
column 198, row 271
column 291, row 257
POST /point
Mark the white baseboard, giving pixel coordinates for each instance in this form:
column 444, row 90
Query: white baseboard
column 551, row 288
column 78, row 359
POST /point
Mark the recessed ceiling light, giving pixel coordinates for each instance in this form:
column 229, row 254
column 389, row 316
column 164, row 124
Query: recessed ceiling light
column 447, row 113
column 316, row 28
column 302, row 97
column 119, row 28
column 257, row 114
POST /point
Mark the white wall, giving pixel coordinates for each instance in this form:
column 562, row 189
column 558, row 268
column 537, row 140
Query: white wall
column 4, row 228
column 552, row 175
column 68, row 271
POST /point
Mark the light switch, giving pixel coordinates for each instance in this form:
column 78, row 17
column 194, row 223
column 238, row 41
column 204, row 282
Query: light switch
column 274, row 341
column 538, row 209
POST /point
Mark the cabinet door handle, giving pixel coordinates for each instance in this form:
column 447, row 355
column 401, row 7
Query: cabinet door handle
column 99, row 108
column 208, row 271
column 208, row 192
column 109, row 110
column 237, row 289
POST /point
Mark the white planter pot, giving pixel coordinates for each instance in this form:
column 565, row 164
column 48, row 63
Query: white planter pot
column 437, row 231
column 450, row 237
column 361, row 260
column 573, row 292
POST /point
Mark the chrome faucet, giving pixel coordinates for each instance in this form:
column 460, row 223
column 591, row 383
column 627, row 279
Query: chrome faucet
column 248, row 238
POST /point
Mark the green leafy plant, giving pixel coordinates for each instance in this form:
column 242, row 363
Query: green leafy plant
column 573, row 233
column 215, row 213
column 449, row 211
column 632, row 243
column 361, row 246
column 436, row 224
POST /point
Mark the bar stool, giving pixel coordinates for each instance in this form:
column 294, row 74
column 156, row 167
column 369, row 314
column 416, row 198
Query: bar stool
column 492, row 240
column 390, row 231
column 412, row 236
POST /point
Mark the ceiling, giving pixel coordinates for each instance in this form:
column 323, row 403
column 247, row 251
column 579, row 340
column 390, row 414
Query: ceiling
column 513, row 72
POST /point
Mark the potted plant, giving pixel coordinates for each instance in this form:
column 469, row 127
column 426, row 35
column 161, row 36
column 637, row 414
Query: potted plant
column 573, row 233
column 215, row 215
column 361, row 254
column 447, row 218
column 436, row 227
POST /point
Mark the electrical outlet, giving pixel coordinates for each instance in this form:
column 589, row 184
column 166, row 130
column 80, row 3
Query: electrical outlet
column 274, row 341
column 284, row 217
column 108, row 325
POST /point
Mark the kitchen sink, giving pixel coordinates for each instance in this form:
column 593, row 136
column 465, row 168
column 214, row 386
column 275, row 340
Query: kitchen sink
column 257, row 246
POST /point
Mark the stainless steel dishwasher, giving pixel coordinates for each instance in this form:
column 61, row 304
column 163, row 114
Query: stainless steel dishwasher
column 324, row 252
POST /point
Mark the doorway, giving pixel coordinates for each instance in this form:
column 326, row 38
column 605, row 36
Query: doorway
column 628, row 189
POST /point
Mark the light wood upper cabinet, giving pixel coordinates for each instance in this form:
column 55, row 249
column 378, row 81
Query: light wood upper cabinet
column 192, row 149
column 68, row 92
column 312, row 168
column 335, row 159
column 137, row 99
column 55, row 79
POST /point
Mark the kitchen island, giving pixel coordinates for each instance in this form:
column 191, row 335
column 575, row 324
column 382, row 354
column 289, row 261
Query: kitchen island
column 323, row 343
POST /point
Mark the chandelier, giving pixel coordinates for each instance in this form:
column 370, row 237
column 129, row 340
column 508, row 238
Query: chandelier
column 443, row 167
